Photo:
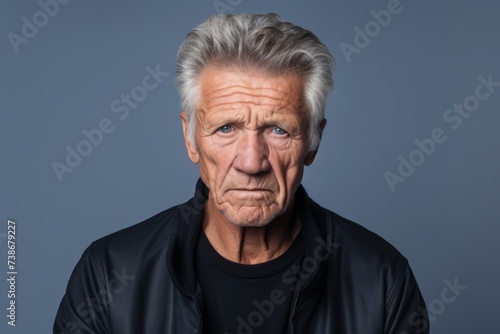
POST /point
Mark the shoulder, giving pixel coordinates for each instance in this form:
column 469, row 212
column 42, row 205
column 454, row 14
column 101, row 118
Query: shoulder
column 358, row 245
column 123, row 259
column 364, row 267
column 363, row 259
column 137, row 242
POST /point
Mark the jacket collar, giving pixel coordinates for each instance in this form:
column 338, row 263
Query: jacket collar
column 182, row 247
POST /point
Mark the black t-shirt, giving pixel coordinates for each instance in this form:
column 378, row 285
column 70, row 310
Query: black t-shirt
column 241, row 298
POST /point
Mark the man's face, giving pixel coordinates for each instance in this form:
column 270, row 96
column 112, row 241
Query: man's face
column 251, row 143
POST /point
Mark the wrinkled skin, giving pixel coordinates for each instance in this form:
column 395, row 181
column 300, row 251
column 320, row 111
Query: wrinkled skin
column 251, row 144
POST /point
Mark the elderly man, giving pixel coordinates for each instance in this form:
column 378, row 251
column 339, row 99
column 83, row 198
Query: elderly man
column 250, row 252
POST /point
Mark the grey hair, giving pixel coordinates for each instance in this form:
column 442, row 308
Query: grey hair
column 264, row 42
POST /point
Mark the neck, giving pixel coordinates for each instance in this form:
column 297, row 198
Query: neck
column 250, row 245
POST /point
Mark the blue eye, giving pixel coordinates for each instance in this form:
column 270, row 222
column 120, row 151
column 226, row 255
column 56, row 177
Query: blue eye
column 225, row 129
column 279, row 131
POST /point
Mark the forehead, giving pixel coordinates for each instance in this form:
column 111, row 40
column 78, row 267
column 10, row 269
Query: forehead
column 220, row 87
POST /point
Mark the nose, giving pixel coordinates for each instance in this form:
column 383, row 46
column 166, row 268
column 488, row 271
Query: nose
column 252, row 155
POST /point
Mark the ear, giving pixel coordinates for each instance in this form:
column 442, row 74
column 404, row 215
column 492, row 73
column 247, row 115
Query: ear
column 312, row 154
column 191, row 147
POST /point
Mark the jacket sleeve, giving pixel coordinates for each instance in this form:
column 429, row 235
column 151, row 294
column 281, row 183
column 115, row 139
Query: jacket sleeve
column 83, row 309
column 406, row 312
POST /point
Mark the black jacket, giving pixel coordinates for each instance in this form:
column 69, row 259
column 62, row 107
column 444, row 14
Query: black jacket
column 142, row 279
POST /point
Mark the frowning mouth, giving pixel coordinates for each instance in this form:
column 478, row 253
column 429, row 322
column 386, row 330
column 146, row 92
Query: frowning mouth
column 249, row 189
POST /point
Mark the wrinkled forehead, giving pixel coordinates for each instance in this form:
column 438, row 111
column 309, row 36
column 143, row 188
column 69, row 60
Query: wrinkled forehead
column 219, row 85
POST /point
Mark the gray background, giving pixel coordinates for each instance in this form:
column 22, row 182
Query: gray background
column 444, row 218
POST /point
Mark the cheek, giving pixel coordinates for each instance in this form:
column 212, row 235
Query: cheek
column 287, row 156
column 288, row 167
column 214, row 160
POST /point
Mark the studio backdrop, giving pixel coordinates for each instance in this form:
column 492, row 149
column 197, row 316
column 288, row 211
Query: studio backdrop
column 91, row 139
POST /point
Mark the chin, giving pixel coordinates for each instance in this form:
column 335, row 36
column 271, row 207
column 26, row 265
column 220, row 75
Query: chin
column 246, row 221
